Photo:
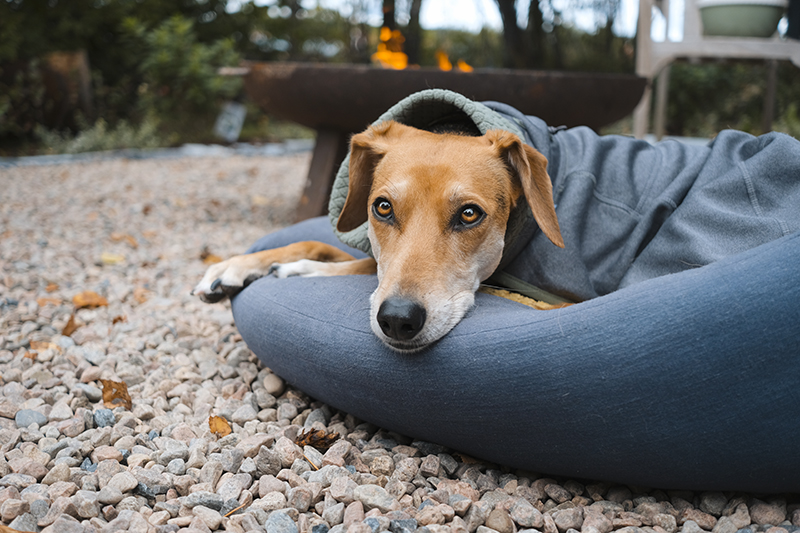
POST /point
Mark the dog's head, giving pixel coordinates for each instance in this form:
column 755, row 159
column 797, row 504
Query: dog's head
column 437, row 206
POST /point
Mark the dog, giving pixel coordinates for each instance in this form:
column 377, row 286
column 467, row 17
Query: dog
column 437, row 206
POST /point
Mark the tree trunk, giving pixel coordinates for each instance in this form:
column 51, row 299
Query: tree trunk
column 536, row 53
column 388, row 15
column 512, row 35
column 413, row 34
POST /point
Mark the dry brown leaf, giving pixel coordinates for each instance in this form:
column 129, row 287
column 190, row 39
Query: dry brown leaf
column 316, row 438
column 466, row 459
column 115, row 394
column 140, row 294
column 88, row 299
column 71, row 326
column 119, row 318
column 51, row 287
column 219, row 426
column 43, row 301
column 129, row 239
column 208, row 258
column 40, row 346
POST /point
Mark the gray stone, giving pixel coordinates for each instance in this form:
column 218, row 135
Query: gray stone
column 25, row 417
column 205, row 498
column 713, row 503
column 24, row 522
column 177, row 467
column 93, row 394
column 104, row 418
column 375, row 497
column 334, row 514
column 280, row 522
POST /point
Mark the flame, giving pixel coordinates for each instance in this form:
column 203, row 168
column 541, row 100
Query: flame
column 390, row 50
column 445, row 64
column 444, row 61
column 390, row 53
column 463, row 66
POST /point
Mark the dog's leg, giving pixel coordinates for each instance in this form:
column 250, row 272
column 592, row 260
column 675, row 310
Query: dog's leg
column 310, row 268
column 232, row 275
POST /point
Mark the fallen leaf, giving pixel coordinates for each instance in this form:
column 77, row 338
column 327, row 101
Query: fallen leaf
column 70, row 328
column 140, row 294
column 51, row 287
column 40, row 346
column 111, row 259
column 119, row 318
column 88, row 299
column 115, row 394
column 43, row 301
column 208, row 258
column 466, row 459
column 130, row 239
column 219, row 426
column 316, row 438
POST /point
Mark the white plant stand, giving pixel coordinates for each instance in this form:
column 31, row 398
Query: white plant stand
column 654, row 58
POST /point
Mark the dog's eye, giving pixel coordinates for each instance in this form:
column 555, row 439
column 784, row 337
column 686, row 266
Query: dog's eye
column 383, row 209
column 470, row 215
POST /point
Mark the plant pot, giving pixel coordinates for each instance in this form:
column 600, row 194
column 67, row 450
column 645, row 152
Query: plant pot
column 741, row 18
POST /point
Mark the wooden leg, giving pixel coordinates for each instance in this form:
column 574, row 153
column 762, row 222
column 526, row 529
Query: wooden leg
column 329, row 151
column 662, row 94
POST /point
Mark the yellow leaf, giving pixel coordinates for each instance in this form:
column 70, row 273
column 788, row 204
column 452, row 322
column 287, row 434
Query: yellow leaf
column 111, row 259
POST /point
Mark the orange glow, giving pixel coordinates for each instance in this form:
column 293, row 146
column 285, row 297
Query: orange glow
column 463, row 66
column 444, row 61
column 390, row 50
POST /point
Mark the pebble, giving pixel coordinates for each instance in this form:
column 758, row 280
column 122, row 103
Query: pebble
column 104, row 418
column 27, row 417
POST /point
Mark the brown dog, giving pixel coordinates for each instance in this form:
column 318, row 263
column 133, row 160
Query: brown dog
column 437, row 207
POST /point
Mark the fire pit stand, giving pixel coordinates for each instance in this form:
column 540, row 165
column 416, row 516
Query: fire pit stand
column 339, row 100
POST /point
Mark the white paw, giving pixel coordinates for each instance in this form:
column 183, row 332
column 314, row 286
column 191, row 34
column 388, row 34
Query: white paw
column 304, row 268
column 225, row 279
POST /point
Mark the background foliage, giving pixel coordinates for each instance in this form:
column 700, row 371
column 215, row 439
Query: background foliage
column 154, row 63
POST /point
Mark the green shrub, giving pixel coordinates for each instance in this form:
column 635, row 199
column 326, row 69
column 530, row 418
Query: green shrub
column 99, row 137
column 181, row 74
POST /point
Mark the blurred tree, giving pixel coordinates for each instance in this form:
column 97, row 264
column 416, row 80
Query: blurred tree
column 544, row 41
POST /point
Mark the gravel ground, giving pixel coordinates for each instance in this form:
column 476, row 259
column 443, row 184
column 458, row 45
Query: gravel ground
column 134, row 232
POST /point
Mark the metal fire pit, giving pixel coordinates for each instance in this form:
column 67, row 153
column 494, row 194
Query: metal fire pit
column 338, row 100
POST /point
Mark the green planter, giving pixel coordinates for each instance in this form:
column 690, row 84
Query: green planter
column 741, row 18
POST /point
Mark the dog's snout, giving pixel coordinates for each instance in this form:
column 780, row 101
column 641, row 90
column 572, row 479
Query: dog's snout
column 401, row 319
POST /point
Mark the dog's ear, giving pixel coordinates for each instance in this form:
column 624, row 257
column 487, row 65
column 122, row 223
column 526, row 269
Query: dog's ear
column 366, row 150
column 530, row 167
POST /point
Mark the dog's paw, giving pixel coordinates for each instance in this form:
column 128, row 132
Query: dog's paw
column 304, row 268
column 225, row 279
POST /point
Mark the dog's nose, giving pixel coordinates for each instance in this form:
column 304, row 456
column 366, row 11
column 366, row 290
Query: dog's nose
column 401, row 319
